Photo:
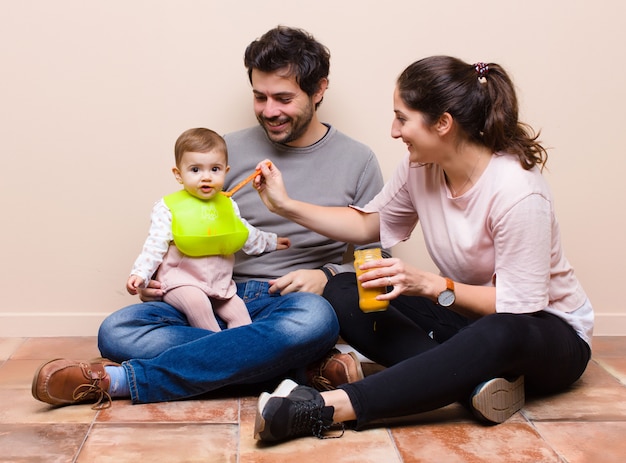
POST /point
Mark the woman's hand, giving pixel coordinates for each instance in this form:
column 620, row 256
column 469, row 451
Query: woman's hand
column 270, row 186
column 340, row 223
column 405, row 279
column 472, row 301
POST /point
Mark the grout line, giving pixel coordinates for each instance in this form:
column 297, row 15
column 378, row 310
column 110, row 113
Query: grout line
column 395, row 445
column 84, row 441
column 238, row 433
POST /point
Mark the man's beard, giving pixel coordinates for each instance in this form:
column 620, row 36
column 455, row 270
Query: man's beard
column 298, row 126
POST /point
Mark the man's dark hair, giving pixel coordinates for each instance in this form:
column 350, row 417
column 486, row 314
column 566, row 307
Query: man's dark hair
column 293, row 49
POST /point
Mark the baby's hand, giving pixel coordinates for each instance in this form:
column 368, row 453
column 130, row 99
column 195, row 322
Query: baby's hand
column 134, row 282
column 282, row 243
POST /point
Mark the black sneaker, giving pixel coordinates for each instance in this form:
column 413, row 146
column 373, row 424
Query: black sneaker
column 292, row 411
column 498, row 399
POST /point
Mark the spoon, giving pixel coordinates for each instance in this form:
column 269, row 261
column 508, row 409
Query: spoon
column 248, row 179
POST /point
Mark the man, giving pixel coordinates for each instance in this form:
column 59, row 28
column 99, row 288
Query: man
column 162, row 357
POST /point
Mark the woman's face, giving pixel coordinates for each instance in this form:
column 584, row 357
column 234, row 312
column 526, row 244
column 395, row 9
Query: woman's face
column 421, row 139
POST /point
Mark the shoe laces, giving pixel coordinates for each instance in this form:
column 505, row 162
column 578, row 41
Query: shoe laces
column 88, row 390
column 308, row 418
column 319, row 381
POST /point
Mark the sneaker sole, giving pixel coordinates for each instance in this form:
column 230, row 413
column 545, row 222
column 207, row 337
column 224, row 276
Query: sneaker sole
column 498, row 399
column 283, row 390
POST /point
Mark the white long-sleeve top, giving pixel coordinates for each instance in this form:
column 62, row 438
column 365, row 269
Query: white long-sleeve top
column 160, row 237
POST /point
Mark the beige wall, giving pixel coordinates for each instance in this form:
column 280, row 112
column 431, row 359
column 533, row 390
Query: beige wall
column 93, row 95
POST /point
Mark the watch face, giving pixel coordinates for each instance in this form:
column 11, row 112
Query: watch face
column 446, row 298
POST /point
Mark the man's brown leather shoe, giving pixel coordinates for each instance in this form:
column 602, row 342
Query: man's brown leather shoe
column 334, row 370
column 67, row 382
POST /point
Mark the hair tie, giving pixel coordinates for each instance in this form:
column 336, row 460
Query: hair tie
column 482, row 69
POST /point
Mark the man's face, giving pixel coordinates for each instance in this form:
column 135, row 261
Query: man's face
column 282, row 108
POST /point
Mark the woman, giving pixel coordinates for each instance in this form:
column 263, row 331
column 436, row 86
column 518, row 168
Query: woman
column 505, row 314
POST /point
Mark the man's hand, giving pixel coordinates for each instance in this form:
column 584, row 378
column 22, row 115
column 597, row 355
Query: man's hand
column 310, row 281
column 152, row 292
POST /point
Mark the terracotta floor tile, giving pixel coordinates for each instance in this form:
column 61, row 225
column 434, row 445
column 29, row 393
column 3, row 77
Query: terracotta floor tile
column 79, row 348
column 199, row 411
column 589, row 442
column 8, row 346
column 19, row 406
column 371, row 446
column 585, row 424
column 41, row 443
column 147, row 442
column 597, row 396
column 616, row 366
column 609, row 346
column 472, row 443
column 18, row 373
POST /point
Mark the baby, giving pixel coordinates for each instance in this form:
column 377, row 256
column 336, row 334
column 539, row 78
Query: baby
column 194, row 234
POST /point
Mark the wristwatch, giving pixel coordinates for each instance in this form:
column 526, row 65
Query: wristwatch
column 446, row 298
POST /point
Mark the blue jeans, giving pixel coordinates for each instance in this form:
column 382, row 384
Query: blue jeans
column 166, row 359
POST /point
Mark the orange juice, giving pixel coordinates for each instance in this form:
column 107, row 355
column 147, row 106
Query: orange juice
column 367, row 296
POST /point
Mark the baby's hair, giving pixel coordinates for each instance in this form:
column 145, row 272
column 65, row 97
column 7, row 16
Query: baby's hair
column 199, row 140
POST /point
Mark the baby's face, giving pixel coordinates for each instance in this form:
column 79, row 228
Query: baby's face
column 202, row 174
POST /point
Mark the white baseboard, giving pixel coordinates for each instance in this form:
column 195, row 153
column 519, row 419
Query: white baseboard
column 610, row 324
column 14, row 324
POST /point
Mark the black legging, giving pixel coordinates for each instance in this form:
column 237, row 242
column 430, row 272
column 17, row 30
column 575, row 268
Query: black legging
column 436, row 357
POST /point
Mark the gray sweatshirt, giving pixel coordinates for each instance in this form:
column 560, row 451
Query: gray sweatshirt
column 335, row 171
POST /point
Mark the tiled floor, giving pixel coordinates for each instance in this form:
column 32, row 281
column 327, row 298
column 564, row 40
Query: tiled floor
column 585, row 424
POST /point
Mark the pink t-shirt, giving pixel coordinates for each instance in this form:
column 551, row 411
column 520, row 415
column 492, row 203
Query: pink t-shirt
column 501, row 232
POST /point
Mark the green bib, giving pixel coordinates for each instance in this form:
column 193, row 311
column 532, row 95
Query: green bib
column 205, row 228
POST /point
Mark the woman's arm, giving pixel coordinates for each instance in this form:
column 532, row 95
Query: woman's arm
column 338, row 223
column 353, row 226
column 471, row 301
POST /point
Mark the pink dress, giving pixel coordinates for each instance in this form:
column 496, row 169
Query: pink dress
column 212, row 274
